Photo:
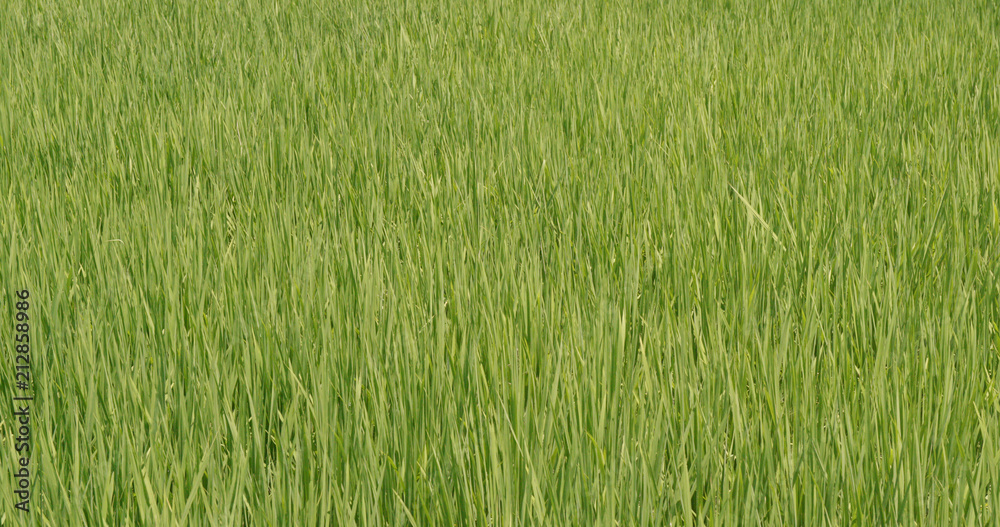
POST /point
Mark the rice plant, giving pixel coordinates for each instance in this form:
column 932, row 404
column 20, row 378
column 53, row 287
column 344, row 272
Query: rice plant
column 450, row 262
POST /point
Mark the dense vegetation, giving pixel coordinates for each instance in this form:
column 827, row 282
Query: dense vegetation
column 504, row 263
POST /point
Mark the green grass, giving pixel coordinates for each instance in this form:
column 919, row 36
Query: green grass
column 504, row 263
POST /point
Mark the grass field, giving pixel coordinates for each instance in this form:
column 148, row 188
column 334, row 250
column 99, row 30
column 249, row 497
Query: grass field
column 503, row 263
